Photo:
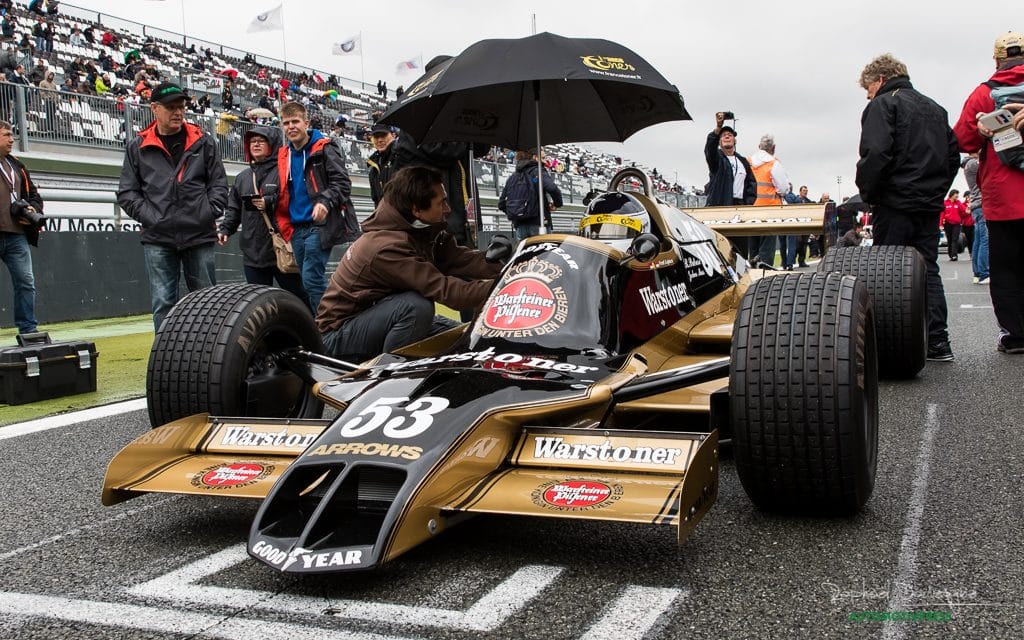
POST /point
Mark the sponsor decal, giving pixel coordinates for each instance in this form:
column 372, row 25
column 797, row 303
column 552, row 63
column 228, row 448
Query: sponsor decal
column 310, row 560
column 695, row 267
column 656, row 301
column 257, row 318
column 576, row 494
column 662, row 263
column 609, row 218
column 738, row 219
column 607, row 63
column 158, row 436
column 554, row 249
column 525, row 303
column 243, row 436
column 231, row 476
column 424, row 84
column 476, row 120
column 556, row 448
column 381, row 449
column 488, row 355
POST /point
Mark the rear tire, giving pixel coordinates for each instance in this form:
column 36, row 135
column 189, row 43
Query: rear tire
column 803, row 394
column 215, row 353
column 895, row 278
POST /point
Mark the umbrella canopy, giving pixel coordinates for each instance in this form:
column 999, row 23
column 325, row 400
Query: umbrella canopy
column 134, row 53
column 229, row 72
column 855, row 203
column 497, row 91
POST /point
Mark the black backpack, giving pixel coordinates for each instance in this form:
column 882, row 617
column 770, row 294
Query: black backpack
column 521, row 198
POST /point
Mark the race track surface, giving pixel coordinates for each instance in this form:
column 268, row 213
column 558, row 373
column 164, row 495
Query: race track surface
column 942, row 533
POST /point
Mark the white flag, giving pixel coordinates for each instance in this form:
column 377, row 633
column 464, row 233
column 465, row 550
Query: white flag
column 269, row 21
column 409, row 66
column 347, row 47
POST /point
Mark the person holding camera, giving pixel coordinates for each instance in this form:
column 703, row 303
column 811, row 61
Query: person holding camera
column 251, row 203
column 1002, row 190
column 732, row 179
column 21, row 217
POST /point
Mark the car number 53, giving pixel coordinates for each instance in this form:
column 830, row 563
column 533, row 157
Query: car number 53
column 398, row 421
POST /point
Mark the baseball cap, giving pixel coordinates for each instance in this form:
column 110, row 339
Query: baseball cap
column 380, row 128
column 166, row 92
column 728, row 129
column 1006, row 42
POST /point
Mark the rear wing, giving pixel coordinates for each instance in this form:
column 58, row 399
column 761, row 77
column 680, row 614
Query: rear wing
column 781, row 220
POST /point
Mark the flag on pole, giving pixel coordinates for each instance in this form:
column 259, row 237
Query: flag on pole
column 352, row 46
column 409, row 66
column 268, row 21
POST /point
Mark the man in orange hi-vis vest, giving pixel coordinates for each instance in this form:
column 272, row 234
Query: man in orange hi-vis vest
column 772, row 185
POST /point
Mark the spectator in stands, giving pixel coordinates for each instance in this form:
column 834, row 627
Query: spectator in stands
column 173, row 183
column 251, row 202
column 853, row 237
column 75, row 39
column 314, row 203
column 908, row 159
column 90, row 34
column 399, row 92
column 48, row 37
column 732, row 180
column 37, row 7
column 70, row 85
column 38, row 72
column 26, row 44
column 16, row 232
column 9, row 60
column 382, row 294
column 39, row 33
column 102, row 84
column 227, row 98
column 18, row 76
column 109, row 39
column 525, row 175
column 9, row 25
column 380, row 163
column 53, row 8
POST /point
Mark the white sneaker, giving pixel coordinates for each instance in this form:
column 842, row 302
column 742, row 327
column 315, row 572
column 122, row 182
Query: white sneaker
column 983, row 281
column 975, row 280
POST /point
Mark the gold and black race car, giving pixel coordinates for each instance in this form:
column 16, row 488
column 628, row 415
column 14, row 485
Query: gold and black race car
column 596, row 382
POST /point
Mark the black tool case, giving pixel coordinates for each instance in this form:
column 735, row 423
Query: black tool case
column 38, row 369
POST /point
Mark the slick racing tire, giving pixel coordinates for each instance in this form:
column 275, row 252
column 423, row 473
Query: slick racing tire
column 215, row 353
column 895, row 277
column 803, row 394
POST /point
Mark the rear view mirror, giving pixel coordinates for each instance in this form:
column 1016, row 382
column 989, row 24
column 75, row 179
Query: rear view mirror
column 644, row 247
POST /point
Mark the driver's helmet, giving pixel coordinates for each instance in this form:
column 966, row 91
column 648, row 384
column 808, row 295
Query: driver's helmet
column 615, row 218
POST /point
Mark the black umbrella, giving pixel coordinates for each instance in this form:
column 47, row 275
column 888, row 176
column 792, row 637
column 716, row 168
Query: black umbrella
column 517, row 93
column 855, row 203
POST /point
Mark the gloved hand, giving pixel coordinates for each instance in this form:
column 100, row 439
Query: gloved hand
column 499, row 249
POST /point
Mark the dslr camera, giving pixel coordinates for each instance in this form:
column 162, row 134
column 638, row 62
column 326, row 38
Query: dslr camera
column 728, row 115
column 21, row 209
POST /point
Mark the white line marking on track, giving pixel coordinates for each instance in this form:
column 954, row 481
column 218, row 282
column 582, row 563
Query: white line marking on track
column 486, row 614
column 185, row 623
column 956, row 276
column 906, row 572
column 66, row 419
column 975, row 306
column 88, row 527
column 633, row 613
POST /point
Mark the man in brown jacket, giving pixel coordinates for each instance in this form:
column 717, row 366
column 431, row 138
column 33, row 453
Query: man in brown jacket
column 381, row 296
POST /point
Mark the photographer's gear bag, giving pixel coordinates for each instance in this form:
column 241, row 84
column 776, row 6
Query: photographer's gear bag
column 521, row 201
column 282, row 248
column 38, row 369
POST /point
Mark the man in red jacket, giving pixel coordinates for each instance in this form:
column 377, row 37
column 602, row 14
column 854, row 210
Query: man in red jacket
column 1002, row 190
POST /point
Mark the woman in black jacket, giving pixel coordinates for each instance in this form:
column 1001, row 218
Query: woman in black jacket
column 253, row 193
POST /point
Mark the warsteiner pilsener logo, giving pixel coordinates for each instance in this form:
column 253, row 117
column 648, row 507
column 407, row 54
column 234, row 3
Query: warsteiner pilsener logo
column 231, row 476
column 575, row 494
column 522, row 304
column 603, row 63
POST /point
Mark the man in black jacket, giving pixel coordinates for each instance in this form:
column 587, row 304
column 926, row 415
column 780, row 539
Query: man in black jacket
column 381, row 162
column 173, row 183
column 908, row 159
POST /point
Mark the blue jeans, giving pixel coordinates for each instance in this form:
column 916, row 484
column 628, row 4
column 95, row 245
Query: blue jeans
column 524, row 231
column 787, row 247
column 15, row 254
column 979, row 252
column 395, row 321
column 164, row 266
column 312, row 261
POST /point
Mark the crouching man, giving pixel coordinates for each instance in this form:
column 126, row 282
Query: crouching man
column 381, row 296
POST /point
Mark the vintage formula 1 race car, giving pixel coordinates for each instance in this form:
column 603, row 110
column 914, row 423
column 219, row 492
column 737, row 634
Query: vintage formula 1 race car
column 596, row 382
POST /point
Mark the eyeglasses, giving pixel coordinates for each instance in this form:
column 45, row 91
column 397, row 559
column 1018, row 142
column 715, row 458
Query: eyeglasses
column 171, row 107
